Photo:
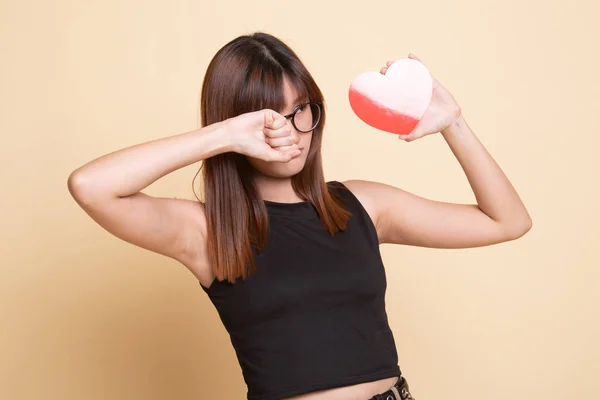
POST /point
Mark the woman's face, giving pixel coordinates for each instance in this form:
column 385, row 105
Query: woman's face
column 279, row 169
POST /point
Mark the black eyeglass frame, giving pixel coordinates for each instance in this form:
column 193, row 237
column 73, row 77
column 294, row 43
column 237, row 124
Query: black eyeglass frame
column 291, row 115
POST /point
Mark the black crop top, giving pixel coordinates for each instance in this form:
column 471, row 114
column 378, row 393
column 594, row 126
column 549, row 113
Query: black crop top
column 313, row 315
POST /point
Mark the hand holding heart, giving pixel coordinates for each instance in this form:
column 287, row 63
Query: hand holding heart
column 442, row 111
column 407, row 101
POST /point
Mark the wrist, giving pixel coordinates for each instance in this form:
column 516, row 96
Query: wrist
column 219, row 134
column 456, row 126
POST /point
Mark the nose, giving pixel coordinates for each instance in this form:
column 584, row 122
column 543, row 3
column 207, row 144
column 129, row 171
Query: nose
column 294, row 133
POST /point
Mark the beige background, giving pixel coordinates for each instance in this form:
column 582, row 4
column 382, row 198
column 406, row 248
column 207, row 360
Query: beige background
column 86, row 316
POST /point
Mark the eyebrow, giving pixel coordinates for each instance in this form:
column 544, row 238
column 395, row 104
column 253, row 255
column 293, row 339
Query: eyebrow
column 299, row 100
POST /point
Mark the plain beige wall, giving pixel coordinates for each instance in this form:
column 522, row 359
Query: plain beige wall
column 87, row 316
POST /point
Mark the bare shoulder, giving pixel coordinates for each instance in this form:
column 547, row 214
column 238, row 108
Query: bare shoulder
column 361, row 189
column 405, row 218
column 367, row 192
column 387, row 205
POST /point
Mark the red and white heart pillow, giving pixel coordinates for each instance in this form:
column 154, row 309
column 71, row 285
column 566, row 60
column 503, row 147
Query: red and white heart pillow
column 396, row 101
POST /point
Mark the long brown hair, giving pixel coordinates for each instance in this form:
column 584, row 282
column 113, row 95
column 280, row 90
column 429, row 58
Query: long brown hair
column 247, row 75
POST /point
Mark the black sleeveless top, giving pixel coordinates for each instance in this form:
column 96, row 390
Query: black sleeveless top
column 313, row 315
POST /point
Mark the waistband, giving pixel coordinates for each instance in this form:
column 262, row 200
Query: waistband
column 399, row 391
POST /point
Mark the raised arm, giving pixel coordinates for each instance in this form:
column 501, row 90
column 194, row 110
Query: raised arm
column 404, row 218
column 109, row 188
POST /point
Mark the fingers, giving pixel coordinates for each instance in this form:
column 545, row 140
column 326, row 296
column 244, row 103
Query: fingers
column 276, row 125
column 388, row 64
column 283, row 131
column 281, row 141
column 283, row 136
column 414, row 57
column 383, row 70
column 291, row 148
column 284, row 154
column 274, row 120
column 278, row 131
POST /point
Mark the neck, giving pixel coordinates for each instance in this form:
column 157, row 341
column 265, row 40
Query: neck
column 276, row 189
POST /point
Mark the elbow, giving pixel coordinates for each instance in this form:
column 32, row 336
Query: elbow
column 77, row 186
column 74, row 184
column 529, row 224
column 520, row 228
column 526, row 226
column 88, row 191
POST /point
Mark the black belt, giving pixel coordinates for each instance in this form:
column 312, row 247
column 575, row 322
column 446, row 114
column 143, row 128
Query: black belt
column 398, row 392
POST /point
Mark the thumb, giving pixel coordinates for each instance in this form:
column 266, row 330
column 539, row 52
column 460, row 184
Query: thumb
column 269, row 118
column 414, row 57
column 406, row 137
column 412, row 135
column 277, row 155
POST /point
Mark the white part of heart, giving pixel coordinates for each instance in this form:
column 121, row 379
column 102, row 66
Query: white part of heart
column 406, row 87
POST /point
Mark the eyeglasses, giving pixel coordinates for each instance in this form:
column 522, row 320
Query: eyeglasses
column 305, row 117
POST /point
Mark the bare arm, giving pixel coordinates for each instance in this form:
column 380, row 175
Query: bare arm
column 109, row 190
column 109, row 187
column 401, row 217
column 404, row 218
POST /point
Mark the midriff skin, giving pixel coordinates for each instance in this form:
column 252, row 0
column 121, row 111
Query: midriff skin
column 361, row 391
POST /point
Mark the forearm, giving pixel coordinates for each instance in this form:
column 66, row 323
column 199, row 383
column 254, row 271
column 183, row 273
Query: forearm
column 129, row 170
column 494, row 193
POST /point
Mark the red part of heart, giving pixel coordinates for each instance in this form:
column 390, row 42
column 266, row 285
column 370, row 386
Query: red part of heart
column 380, row 117
column 394, row 102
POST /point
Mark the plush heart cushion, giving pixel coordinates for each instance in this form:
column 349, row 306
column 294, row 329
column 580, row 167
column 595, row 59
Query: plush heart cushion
column 396, row 101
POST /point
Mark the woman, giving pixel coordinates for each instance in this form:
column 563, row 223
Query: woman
column 290, row 261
